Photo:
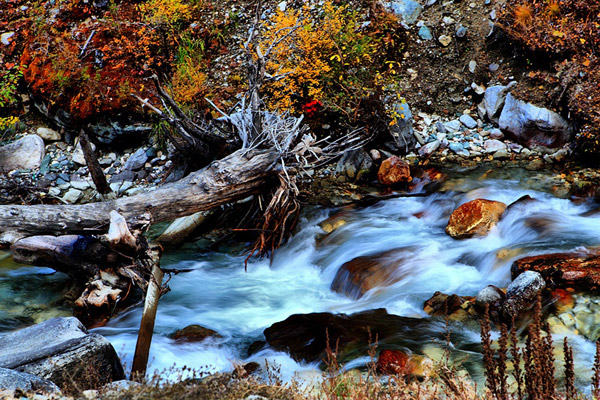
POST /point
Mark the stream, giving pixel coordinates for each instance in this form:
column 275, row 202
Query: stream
column 218, row 294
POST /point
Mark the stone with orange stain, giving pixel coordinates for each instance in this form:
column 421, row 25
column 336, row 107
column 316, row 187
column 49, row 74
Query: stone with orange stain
column 474, row 218
column 578, row 270
column 393, row 362
column 361, row 274
column 563, row 300
column 393, row 171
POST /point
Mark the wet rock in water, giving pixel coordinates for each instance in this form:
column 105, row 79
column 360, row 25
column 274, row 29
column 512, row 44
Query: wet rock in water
column 355, row 165
column 426, row 180
column 194, row 333
column 492, row 297
column 577, row 270
column 563, row 300
column 393, row 171
column 62, row 351
column 12, row 380
column 522, row 294
column 305, row 337
column 454, row 307
column 393, row 362
column 25, row 153
column 361, row 274
column 474, row 218
column 537, row 128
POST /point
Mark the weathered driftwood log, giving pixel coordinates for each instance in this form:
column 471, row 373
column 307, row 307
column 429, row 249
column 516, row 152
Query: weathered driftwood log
column 233, row 177
column 104, row 267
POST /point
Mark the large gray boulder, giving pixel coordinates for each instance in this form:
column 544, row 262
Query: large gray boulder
column 493, row 100
column 13, row 380
column 355, row 166
column 25, row 153
column 62, row 351
column 534, row 127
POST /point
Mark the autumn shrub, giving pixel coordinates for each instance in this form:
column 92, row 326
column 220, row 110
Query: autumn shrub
column 331, row 57
column 567, row 32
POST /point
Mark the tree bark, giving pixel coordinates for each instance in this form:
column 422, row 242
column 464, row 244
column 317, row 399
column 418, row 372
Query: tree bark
column 92, row 163
column 236, row 176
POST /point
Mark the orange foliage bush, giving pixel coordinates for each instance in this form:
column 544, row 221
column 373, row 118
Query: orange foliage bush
column 569, row 32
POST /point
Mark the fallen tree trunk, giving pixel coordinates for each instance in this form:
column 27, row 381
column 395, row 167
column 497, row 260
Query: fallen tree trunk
column 236, row 176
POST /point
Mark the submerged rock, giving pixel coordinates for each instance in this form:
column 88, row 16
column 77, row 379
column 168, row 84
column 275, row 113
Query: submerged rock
column 62, row 351
column 474, row 218
column 361, row 274
column 454, row 307
column 305, row 337
column 393, row 171
column 194, row 333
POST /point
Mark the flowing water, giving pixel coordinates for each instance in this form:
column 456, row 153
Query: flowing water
column 218, row 294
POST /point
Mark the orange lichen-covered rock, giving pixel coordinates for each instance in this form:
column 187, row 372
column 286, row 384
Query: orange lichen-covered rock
column 474, row 218
column 394, row 362
column 393, row 170
column 577, row 270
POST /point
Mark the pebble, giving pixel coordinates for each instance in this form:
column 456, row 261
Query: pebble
column 496, row 134
column 468, row 121
column 445, row 40
column 425, row 33
column 493, row 67
column 72, row 195
column 5, row 38
column 461, row 31
column 472, row 66
column 48, row 134
column 452, row 126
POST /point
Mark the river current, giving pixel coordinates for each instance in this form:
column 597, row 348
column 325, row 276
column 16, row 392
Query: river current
column 219, row 294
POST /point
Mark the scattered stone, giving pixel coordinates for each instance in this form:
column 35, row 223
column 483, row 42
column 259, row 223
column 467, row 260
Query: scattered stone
column 5, row 38
column 62, row 351
column 77, row 156
column 461, row 31
column 72, row 195
column 407, row 10
column 493, row 67
column 534, row 127
column 48, row 134
column 429, row 148
column 136, row 161
column 194, row 333
column 468, row 121
column 80, row 184
column 440, row 127
column 393, row 171
column 425, row 33
column 502, row 154
column 496, row 134
column 25, row 153
column 452, row 126
column 493, row 145
column 445, row 40
column 479, row 90
column 459, row 149
column 474, row 218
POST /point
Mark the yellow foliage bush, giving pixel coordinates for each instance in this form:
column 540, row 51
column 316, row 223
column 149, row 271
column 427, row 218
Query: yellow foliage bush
column 324, row 53
column 165, row 11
